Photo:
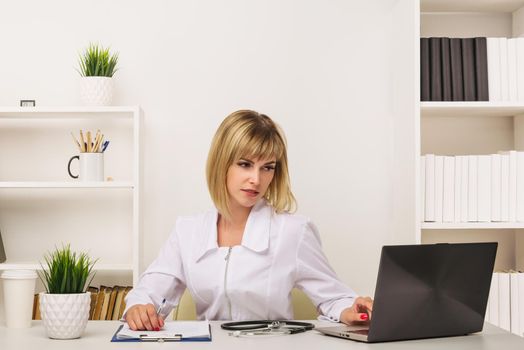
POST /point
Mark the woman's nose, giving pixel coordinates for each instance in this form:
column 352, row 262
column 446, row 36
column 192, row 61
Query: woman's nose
column 254, row 177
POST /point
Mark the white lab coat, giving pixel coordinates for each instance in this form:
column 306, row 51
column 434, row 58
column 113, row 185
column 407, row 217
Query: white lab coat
column 246, row 282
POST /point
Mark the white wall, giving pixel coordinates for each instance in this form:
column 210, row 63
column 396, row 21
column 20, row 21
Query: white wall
column 324, row 70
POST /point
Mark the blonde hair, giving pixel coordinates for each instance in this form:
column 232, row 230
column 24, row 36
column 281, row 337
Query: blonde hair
column 248, row 134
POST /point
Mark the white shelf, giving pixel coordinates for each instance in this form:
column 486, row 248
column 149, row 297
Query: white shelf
column 58, row 112
column 65, row 184
column 36, row 266
column 471, row 225
column 471, row 109
column 470, row 6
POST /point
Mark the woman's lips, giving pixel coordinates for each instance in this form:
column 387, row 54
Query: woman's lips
column 251, row 193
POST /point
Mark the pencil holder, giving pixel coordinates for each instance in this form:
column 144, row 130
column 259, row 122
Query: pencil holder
column 91, row 166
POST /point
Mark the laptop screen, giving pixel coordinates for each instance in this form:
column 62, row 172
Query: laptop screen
column 432, row 290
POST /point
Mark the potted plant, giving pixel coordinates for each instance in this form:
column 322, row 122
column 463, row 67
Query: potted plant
column 64, row 305
column 97, row 67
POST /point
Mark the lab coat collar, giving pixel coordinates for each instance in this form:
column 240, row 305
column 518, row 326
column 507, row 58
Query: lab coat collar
column 256, row 233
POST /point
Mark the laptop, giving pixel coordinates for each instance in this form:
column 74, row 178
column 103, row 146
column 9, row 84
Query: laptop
column 427, row 291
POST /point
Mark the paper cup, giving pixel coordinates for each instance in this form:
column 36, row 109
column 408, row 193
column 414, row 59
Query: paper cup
column 19, row 290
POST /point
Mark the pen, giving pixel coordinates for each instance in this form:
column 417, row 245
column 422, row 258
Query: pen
column 159, row 310
column 105, row 145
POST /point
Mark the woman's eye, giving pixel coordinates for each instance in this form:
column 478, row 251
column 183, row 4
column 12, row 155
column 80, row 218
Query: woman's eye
column 244, row 164
column 269, row 168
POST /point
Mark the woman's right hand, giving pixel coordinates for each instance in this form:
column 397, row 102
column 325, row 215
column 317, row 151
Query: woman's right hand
column 143, row 317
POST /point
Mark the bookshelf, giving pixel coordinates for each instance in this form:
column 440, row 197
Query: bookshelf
column 42, row 207
column 462, row 128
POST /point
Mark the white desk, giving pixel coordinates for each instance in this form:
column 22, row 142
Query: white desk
column 98, row 334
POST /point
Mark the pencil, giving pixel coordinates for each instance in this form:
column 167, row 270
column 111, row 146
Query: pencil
column 84, row 149
column 76, row 141
column 89, row 141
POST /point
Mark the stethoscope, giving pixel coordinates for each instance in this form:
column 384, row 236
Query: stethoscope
column 265, row 327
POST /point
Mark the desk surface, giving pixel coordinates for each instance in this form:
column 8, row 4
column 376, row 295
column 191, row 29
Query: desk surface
column 98, row 335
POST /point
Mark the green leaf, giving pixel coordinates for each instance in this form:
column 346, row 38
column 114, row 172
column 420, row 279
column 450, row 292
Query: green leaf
column 97, row 61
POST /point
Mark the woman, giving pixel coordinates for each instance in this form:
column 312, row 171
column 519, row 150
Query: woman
column 241, row 260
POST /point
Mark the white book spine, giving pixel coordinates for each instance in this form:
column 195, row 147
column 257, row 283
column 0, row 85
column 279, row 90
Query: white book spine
column 512, row 69
column 439, row 187
column 514, row 302
column 504, row 302
column 456, row 178
column 484, row 188
column 422, row 187
column 520, row 187
column 512, row 186
column 504, row 187
column 473, row 188
column 494, row 300
column 495, row 187
column 464, row 185
column 520, row 69
column 521, row 303
column 429, row 212
column 493, row 51
column 448, row 207
column 504, row 84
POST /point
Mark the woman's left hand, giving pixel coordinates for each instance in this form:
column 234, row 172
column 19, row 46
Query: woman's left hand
column 359, row 313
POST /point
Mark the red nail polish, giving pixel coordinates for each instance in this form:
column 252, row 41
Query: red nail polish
column 363, row 316
column 157, row 329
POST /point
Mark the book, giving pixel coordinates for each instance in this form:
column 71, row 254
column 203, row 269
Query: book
column 123, row 303
column 484, row 188
column 435, row 69
column 424, row 70
column 445, row 58
column 520, row 68
column 504, row 301
column 514, row 302
column 111, row 306
column 512, row 69
column 495, row 187
column 105, row 303
column 520, row 187
column 493, row 53
column 94, row 295
column 99, row 303
column 504, row 84
column 464, row 186
column 457, row 187
column 172, row 331
column 118, row 302
column 468, row 69
column 429, row 212
column 494, row 300
column 472, row 188
column 457, row 78
column 448, row 207
column 481, row 70
column 36, row 308
column 439, row 187
column 504, row 187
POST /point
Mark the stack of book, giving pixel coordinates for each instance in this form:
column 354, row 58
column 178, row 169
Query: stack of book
column 506, row 302
column 453, row 69
column 107, row 303
column 472, row 69
column 473, row 188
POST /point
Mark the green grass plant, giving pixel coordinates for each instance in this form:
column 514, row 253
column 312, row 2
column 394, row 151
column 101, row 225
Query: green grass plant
column 97, row 61
column 66, row 272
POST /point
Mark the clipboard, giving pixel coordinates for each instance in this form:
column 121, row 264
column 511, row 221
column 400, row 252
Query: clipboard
column 161, row 338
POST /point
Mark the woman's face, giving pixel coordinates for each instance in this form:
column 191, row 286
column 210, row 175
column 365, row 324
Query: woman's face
column 248, row 180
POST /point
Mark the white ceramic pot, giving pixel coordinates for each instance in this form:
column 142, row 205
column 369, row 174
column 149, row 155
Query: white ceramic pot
column 65, row 315
column 96, row 91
